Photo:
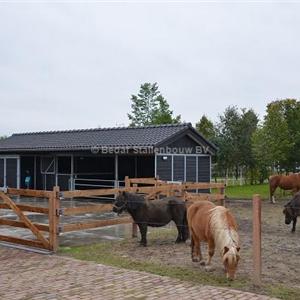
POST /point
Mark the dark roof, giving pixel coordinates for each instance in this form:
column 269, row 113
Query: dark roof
column 86, row 138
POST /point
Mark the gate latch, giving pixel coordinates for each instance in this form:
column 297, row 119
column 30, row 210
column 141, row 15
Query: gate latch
column 60, row 212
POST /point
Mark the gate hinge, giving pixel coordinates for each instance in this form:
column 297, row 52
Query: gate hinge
column 61, row 196
column 60, row 212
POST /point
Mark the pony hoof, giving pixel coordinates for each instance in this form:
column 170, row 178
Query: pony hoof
column 209, row 269
column 202, row 262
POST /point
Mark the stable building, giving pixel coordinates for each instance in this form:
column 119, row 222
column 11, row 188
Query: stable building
column 102, row 157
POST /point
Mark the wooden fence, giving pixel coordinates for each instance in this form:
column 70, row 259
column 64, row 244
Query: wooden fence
column 47, row 241
column 151, row 187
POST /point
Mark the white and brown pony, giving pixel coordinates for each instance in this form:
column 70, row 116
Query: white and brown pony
column 216, row 226
column 285, row 182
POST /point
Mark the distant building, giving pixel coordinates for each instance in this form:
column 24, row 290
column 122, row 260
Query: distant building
column 102, row 157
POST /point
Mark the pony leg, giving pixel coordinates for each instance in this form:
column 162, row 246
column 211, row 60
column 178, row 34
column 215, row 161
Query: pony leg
column 272, row 197
column 195, row 249
column 179, row 235
column 143, row 231
column 294, row 224
column 211, row 251
column 202, row 262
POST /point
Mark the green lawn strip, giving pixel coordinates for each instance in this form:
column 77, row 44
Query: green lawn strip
column 104, row 253
column 247, row 191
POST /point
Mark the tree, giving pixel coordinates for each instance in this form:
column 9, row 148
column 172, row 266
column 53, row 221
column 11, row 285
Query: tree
column 291, row 109
column 206, row 128
column 261, row 153
column 150, row 107
column 248, row 125
column 227, row 139
column 234, row 139
column 278, row 136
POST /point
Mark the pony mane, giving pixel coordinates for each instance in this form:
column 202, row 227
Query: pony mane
column 223, row 228
column 134, row 200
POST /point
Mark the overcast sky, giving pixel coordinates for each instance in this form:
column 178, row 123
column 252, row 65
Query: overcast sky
column 73, row 65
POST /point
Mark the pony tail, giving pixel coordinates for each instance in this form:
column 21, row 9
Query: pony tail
column 185, row 224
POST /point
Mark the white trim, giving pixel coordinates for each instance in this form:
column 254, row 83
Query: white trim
column 9, row 156
column 55, row 170
column 197, row 169
column 184, row 169
column 172, row 168
column 52, row 161
column 18, row 172
column 72, row 173
column 155, row 165
column 116, row 171
column 210, row 169
column 34, row 172
column 4, row 181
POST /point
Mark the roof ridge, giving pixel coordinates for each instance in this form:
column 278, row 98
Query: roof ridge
column 101, row 129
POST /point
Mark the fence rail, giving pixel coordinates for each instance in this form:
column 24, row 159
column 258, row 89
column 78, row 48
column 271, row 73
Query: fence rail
column 41, row 240
column 152, row 188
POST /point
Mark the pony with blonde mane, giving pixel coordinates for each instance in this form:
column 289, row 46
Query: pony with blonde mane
column 216, row 226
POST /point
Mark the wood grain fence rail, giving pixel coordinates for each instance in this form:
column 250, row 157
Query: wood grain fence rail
column 151, row 187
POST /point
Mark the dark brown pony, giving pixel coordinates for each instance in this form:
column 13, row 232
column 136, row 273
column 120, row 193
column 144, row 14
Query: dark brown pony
column 292, row 211
column 216, row 226
column 285, row 182
column 154, row 213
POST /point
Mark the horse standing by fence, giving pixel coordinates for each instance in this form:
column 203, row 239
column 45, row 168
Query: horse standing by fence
column 155, row 213
column 216, row 226
column 292, row 211
column 285, row 182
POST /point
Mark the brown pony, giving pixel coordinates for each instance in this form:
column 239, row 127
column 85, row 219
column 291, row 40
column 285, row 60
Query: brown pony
column 285, row 182
column 216, row 226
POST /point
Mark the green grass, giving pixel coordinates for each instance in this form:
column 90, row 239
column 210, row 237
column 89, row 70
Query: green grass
column 247, row 191
column 104, row 253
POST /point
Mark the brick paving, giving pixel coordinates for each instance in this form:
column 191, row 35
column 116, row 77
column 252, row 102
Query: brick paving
column 26, row 275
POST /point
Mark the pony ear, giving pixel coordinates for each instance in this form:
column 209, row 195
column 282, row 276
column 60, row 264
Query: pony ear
column 226, row 249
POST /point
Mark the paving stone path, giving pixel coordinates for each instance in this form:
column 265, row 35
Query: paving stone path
column 26, row 275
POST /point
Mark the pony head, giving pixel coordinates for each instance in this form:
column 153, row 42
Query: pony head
column 288, row 212
column 231, row 259
column 120, row 203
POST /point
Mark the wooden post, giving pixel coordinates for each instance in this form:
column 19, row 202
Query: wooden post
column 222, row 192
column 127, row 182
column 54, row 219
column 256, row 239
column 134, row 226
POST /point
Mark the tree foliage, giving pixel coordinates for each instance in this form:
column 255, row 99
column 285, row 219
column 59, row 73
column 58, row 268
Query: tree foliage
column 149, row 107
column 234, row 139
column 206, row 128
column 279, row 136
